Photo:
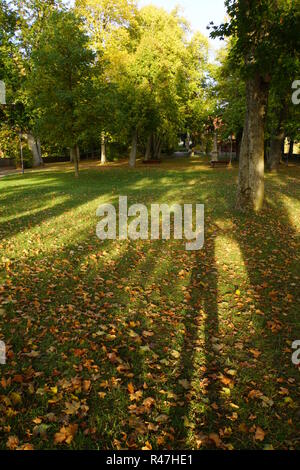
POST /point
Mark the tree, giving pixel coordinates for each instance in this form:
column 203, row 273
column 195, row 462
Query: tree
column 153, row 75
column 283, row 115
column 230, row 95
column 60, row 82
column 105, row 21
column 30, row 19
column 264, row 31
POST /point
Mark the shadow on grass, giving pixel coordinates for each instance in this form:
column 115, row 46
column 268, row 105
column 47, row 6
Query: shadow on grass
column 149, row 313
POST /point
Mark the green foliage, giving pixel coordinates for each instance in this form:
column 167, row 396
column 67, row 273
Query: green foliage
column 59, row 82
column 230, row 93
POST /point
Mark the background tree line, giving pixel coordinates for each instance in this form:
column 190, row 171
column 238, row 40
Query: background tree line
column 108, row 75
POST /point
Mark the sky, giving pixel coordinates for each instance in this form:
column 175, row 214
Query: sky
column 198, row 12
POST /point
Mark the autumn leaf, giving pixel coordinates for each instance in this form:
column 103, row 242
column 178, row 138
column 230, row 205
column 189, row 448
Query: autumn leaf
column 148, row 402
column 12, row 442
column 216, row 439
column 259, row 434
column 86, row 385
column 147, row 446
column 72, row 408
column 255, row 353
column 66, row 434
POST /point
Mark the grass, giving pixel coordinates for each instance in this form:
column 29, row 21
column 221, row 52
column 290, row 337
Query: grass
column 130, row 345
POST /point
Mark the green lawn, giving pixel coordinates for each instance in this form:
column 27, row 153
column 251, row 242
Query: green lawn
column 128, row 345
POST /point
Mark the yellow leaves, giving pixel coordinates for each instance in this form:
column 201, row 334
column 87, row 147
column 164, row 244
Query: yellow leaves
column 12, row 442
column 37, row 420
column 112, row 357
column 243, row 428
column 274, row 325
column 187, row 423
column 132, row 394
column 54, row 390
column 86, row 385
column 66, row 434
column 10, row 413
column 259, row 395
column 72, row 408
column 175, row 354
column 148, row 402
column 147, row 334
column 226, row 381
column 15, row 398
column 255, row 352
column 136, row 396
column 259, row 434
column 255, row 394
column 147, row 446
column 26, row 446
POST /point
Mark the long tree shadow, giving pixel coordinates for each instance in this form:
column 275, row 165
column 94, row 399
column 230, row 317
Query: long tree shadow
column 251, row 350
column 110, row 314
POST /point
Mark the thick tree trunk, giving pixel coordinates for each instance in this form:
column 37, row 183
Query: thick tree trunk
column 250, row 194
column 132, row 158
column 35, row 148
column 74, row 157
column 275, row 154
column 103, row 149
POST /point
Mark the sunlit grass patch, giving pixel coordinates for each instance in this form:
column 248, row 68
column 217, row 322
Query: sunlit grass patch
column 144, row 341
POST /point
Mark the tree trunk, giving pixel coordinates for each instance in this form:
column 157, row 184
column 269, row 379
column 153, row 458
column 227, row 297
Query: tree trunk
column 275, row 154
column 103, row 149
column 39, row 148
column 74, row 154
column 148, row 149
column 35, row 148
column 250, row 193
column 215, row 153
column 132, row 158
column 291, row 149
column 238, row 144
column 156, row 148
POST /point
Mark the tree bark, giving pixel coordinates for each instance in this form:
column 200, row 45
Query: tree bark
column 291, row 149
column 275, row 154
column 132, row 158
column 156, row 147
column 74, row 157
column 103, row 149
column 250, row 194
column 148, row 149
column 35, row 148
column 238, row 144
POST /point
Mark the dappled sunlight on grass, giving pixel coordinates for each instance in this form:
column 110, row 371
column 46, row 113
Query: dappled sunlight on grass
column 144, row 340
